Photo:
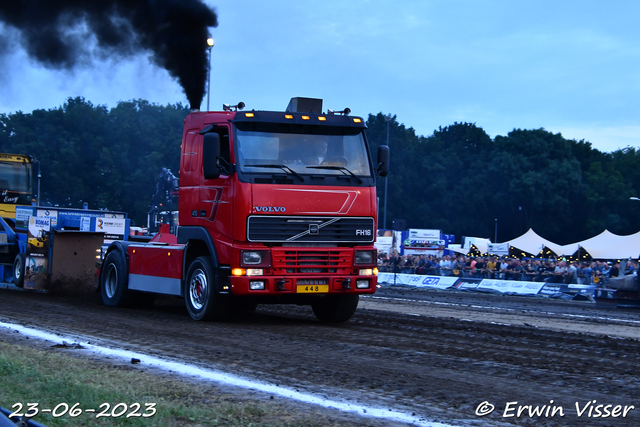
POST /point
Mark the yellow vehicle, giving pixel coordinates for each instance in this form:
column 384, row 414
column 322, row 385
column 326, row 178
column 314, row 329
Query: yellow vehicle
column 16, row 183
column 37, row 242
column 16, row 189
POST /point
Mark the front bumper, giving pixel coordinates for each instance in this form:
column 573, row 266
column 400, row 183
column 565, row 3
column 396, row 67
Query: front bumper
column 294, row 284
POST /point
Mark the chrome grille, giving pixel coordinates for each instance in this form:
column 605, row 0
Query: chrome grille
column 261, row 228
column 311, row 261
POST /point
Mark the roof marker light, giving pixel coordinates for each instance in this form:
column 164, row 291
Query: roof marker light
column 322, row 118
column 288, row 116
column 357, row 120
column 248, row 114
column 305, row 117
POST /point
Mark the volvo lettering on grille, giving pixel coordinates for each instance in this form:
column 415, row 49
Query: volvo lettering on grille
column 270, row 208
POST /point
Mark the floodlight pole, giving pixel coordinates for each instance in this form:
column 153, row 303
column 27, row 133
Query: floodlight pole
column 210, row 43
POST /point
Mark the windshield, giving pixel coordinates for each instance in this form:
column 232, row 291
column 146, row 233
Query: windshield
column 303, row 153
column 14, row 177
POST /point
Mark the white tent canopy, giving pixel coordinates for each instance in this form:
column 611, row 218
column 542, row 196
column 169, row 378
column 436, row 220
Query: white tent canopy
column 605, row 245
column 532, row 243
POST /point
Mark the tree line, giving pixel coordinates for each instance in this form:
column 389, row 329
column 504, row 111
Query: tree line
column 108, row 158
column 458, row 179
column 463, row 182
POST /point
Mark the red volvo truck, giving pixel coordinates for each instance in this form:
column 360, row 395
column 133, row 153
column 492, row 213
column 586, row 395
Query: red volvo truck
column 274, row 207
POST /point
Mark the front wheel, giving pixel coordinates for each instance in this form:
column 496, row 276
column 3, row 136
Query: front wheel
column 335, row 308
column 199, row 295
column 18, row 270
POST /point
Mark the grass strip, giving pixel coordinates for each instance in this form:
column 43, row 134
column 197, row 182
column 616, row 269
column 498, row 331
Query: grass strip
column 52, row 379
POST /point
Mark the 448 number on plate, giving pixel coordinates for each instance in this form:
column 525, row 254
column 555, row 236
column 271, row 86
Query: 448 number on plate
column 312, row 289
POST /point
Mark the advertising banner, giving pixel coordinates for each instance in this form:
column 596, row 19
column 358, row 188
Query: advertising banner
column 511, row 287
column 418, row 233
column 468, row 284
column 23, row 213
column 36, row 272
column 388, row 246
column 113, row 228
column 505, row 287
column 439, row 282
column 85, row 223
column 553, row 289
column 49, row 213
column 384, row 244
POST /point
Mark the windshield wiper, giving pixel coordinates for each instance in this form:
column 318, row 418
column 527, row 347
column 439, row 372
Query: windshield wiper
column 283, row 167
column 337, row 168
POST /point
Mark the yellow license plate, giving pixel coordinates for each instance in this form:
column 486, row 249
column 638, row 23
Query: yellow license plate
column 312, row 289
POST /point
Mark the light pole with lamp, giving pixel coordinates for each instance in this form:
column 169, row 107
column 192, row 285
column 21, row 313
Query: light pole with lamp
column 210, row 44
column 387, row 119
column 496, row 237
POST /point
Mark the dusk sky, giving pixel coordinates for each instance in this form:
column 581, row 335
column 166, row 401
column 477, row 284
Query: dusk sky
column 566, row 66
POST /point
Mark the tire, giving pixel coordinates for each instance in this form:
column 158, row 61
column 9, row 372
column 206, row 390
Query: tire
column 18, row 270
column 335, row 308
column 114, row 281
column 200, row 297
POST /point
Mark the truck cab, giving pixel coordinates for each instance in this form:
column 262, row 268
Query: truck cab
column 276, row 207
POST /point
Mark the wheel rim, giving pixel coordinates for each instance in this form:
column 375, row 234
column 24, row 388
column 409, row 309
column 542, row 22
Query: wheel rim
column 111, row 283
column 198, row 289
column 17, row 271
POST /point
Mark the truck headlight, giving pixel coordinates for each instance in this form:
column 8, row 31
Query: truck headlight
column 364, row 257
column 362, row 284
column 256, row 285
column 251, row 258
column 255, row 258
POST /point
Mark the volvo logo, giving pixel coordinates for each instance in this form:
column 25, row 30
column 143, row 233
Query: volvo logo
column 269, row 208
column 314, row 229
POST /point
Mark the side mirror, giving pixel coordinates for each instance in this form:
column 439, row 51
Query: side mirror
column 210, row 153
column 383, row 160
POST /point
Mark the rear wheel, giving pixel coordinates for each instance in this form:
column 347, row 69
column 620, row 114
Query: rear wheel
column 199, row 296
column 335, row 308
column 18, row 270
column 113, row 280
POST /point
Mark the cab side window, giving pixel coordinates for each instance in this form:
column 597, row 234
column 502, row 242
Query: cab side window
column 225, row 149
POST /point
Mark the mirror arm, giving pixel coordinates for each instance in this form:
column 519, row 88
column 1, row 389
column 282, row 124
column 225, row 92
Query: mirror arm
column 225, row 166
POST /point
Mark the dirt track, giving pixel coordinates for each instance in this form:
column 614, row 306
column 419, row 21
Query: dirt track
column 436, row 354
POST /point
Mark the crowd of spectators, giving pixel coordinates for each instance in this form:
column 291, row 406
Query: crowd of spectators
column 503, row 268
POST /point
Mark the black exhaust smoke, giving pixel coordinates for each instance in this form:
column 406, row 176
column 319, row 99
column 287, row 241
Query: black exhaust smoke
column 64, row 34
